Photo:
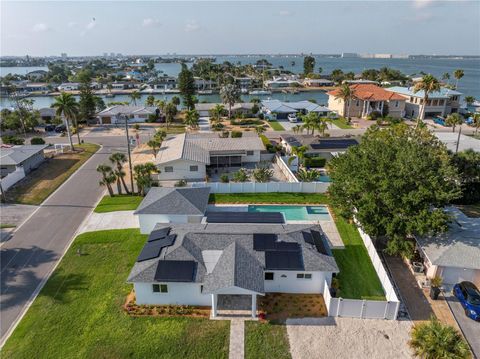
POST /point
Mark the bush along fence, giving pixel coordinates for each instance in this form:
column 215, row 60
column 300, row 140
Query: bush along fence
column 266, row 187
column 367, row 309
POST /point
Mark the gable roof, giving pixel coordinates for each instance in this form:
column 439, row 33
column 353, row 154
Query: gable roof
column 127, row 110
column 370, row 92
column 15, row 155
column 292, row 107
column 185, row 201
column 459, row 246
column 444, row 93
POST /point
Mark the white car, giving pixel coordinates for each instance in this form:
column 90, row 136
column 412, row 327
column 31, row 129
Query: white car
column 292, row 117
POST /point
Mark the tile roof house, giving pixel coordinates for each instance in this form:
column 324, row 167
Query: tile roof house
column 113, row 114
column 187, row 156
column 367, row 98
column 172, row 205
column 455, row 254
column 198, row 264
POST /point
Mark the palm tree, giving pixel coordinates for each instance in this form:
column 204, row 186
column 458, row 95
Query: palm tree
column 134, row 96
column 143, row 176
column 154, row 144
column 241, row 175
column 191, row 118
column 297, row 129
column 308, row 175
column 67, row 107
column 108, row 177
column 160, row 104
column 217, row 112
column 453, row 120
column 262, row 174
column 109, row 88
column 345, row 93
column 434, row 340
column 118, row 159
column 230, row 94
column 446, row 77
column 427, row 84
column 150, row 101
column 259, row 129
column 321, row 124
column 299, row 152
column 458, row 74
column 469, row 100
column 476, row 122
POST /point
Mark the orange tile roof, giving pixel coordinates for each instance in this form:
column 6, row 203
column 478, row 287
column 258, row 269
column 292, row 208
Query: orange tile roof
column 370, row 92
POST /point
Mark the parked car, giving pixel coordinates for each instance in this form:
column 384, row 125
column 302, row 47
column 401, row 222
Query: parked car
column 60, row 128
column 469, row 296
column 49, row 128
column 439, row 121
column 292, row 117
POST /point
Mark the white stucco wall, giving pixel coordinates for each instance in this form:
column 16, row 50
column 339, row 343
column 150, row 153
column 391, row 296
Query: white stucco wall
column 181, row 170
column 178, row 293
column 453, row 275
column 253, row 158
column 287, row 282
column 148, row 221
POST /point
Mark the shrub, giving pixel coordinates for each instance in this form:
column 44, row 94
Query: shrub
column 136, row 126
column 265, row 140
column 218, row 126
column 37, row 141
column 374, row 116
column 224, row 178
column 224, row 134
column 12, row 140
column 261, row 116
column 181, row 183
column 236, row 134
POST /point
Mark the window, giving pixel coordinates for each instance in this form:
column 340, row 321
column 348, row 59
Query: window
column 160, row 288
column 201, row 289
column 156, row 288
column 249, row 153
column 396, row 103
column 304, row 276
column 357, row 103
column 193, row 168
column 168, row 169
column 163, row 288
column 308, row 276
column 268, row 276
column 300, row 275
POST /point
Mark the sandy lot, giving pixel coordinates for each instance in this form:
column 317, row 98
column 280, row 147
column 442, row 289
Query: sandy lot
column 348, row 338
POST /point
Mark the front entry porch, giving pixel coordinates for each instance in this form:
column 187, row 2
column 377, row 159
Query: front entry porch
column 234, row 305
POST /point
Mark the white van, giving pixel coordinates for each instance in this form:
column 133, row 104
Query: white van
column 292, row 117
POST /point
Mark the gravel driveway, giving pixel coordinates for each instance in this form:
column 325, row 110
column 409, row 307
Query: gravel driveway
column 348, row 338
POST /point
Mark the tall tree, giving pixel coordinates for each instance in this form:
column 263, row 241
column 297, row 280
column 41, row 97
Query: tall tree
column 170, row 113
column 150, row 101
column 67, row 108
column 469, row 100
column 175, row 100
column 143, row 176
column 446, row 77
column 458, row 74
column 134, row 96
column 108, row 177
column 427, row 84
column 186, row 85
column 217, row 112
column 468, row 166
column 191, row 118
column 87, row 102
column 308, row 65
column 118, row 159
column 230, row 94
column 396, row 181
column 345, row 92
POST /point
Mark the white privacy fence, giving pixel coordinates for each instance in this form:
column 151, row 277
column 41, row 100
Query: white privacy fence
column 285, row 169
column 12, row 178
column 257, row 187
column 369, row 309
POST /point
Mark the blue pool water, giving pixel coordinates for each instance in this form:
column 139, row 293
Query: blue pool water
column 324, row 178
column 296, row 213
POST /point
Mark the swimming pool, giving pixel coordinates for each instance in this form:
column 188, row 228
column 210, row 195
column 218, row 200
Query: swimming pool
column 296, row 213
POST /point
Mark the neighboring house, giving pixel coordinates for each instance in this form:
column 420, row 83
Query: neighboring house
column 244, row 83
column 69, row 86
column 47, row 114
column 244, row 108
column 455, row 254
column 323, row 147
column 172, row 205
column 189, row 156
column 203, row 109
column 164, row 83
column 367, row 98
column 451, row 139
column 114, row 114
column 204, row 85
column 18, row 161
column 440, row 103
column 281, row 82
column 307, row 82
column 211, row 264
column 36, row 75
column 124, row 85
column 36, row 87
column 276, row 109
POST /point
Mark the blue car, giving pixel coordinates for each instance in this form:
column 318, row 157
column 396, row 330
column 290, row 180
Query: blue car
column 469, row 296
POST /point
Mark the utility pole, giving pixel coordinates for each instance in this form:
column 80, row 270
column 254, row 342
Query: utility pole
column 458, row 138
column 129, row 155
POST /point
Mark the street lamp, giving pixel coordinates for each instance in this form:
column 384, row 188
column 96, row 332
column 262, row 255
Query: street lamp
column 128, row 149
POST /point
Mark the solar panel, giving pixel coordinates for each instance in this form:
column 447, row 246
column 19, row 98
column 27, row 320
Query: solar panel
column 287, row 246
column 150, row 250
column 307, row 237
column 175, row 271
column 158, row 234
column 330, row 144
column 264, row 241
column 283, row 260
column 320, row 243
column 167, row 241
column 245, row 217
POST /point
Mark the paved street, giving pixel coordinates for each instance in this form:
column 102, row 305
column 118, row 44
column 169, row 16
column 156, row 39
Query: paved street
column 470, row 328
column 29, row 257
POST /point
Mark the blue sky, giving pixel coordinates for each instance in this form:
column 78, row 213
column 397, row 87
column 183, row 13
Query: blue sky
column 232, row 27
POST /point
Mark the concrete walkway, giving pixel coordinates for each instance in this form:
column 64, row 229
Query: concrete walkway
column 237, row 339
column 111, row 220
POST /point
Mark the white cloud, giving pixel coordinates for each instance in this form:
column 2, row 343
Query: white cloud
column 149, row 22
column 41, row 27
column 192, row 26
column 285, row 13
column 90, row 26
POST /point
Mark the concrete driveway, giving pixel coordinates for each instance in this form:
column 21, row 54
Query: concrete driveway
column 111, row 220
column 470, row 328
column 204, row 124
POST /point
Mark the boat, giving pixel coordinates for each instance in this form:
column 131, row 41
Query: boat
column 205, row 92
column 260, row 92
column 109, row 95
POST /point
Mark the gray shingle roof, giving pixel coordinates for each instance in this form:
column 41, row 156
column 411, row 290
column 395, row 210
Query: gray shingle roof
column 127, row 110
column 17, row 154
column 236, row 242
column 186, row 201
column 459, row 247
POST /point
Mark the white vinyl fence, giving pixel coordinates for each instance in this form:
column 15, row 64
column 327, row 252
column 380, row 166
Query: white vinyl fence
column 257, row 187
column 12, row 178
column 282, row 163
column 369, row 309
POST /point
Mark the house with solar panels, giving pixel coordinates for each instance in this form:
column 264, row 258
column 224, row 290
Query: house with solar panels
column 317, row 147
column 226, row 266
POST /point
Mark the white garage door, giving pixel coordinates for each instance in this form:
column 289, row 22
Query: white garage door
column 452, row 275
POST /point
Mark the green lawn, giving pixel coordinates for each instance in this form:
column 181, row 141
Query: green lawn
column 265, row 341
column 7, row 225
column 274, row 198
column 357, row 277
column 38, row 185
column 342, row 123
column 78, row 314
column 276, row 125
column 123, row 202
